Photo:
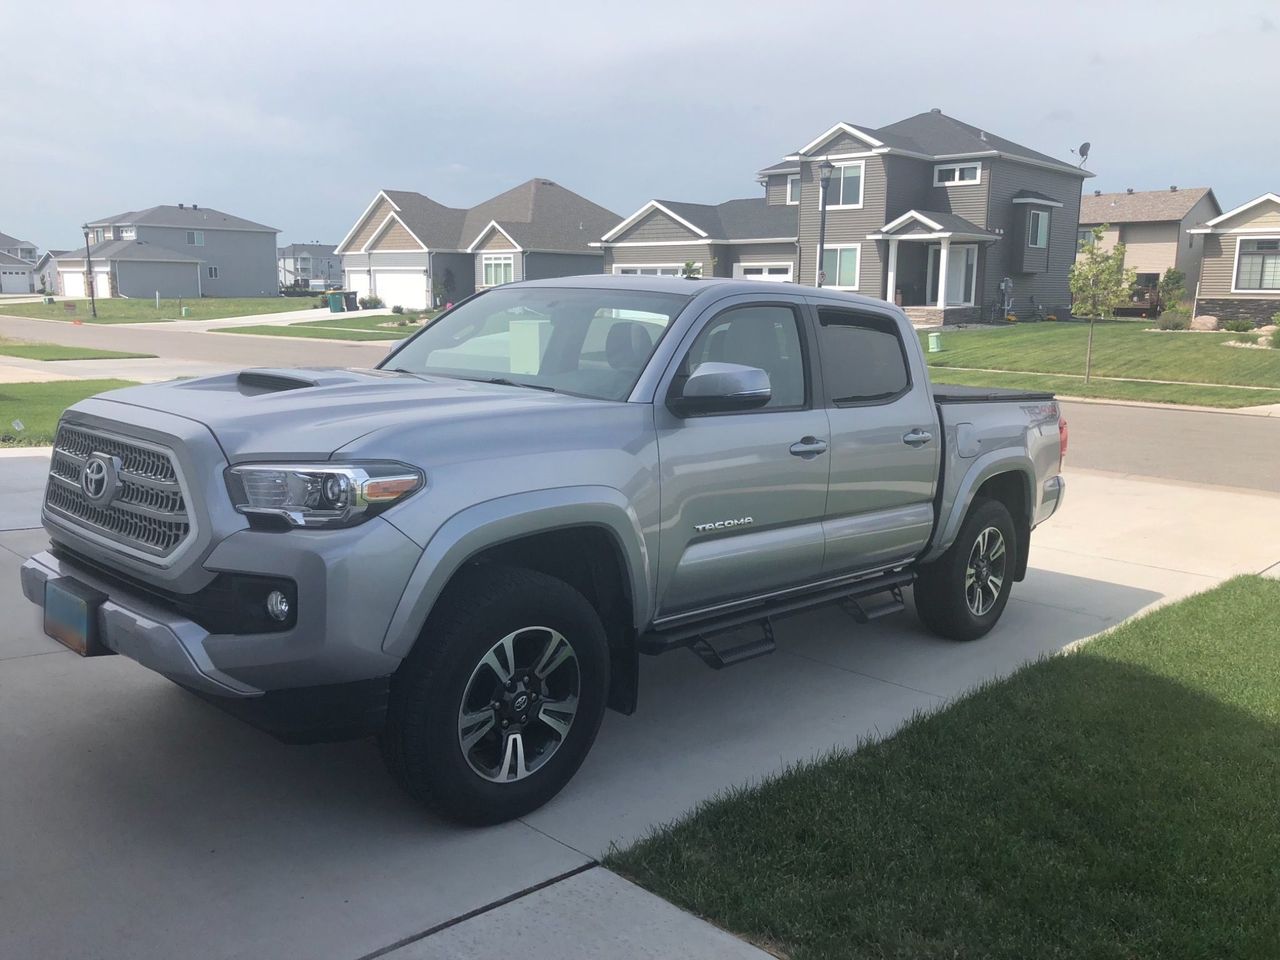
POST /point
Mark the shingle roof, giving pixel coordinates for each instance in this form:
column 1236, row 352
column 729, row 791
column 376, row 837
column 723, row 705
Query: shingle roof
column 128, row 250
column 748, row 219
column 11, row 261
column 7, row 241
column 949, row 223
column 1035, row 195
column 314, row 249
column 936, row 135
column 539, row 214
column 1141, row 207
column 198, row 218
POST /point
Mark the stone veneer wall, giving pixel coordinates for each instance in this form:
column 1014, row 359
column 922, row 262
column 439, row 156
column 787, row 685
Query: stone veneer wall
column 1258, row 311
column 933, row 317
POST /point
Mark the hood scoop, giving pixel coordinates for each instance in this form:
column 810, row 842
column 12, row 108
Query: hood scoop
column 253, row 382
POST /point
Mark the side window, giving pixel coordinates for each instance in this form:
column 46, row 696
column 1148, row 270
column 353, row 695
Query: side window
column 764, row 337
column 863, row 359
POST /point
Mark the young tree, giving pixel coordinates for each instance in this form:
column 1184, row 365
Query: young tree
column 1099, row 282
column 1169, row 292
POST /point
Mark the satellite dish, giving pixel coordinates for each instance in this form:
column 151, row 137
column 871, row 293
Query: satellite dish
column 1083, row 151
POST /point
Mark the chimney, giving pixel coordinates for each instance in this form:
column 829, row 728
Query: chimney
column 1128, row 190
column 181, row 207
column 1097, row 193
column 1174, row 188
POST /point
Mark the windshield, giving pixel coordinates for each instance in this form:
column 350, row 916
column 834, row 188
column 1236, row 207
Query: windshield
column 591, row 341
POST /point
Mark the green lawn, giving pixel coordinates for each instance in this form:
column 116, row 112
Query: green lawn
column 1121, row 349
column 52, row 351
column 39, row 405
column 1110, row 389
column 1121, row 802
column 144, row 311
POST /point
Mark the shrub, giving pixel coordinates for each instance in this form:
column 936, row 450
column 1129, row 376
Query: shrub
column 371, row 302
column 322, row 302
column 1175, row 318
column 1238, row 326
column 397, row 309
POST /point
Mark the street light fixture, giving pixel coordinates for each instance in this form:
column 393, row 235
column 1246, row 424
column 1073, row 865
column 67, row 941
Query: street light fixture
column 88, row 273
column 825, row 169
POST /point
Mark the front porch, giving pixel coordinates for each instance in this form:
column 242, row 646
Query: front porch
column 934, row 266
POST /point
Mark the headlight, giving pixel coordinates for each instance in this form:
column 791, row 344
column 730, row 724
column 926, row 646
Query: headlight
column 320, row 494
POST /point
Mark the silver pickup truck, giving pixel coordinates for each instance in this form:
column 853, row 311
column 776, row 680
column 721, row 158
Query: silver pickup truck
column 465, row 551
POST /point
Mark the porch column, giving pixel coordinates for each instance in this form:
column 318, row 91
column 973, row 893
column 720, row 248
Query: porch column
column 891, row 280
column 943, row 251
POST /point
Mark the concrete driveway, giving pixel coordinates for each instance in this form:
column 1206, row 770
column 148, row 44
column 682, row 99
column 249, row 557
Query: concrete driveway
column 137, row 822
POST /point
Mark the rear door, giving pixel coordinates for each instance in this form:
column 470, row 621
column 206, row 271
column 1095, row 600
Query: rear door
column 884, row 440
column 743, row 494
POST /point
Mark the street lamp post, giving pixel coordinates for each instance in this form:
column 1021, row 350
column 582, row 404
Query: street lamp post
column 88, row 273
column 824, row 179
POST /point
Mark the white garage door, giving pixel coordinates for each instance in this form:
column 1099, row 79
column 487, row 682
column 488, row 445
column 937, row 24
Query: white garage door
column 73, row 283
column 774, row 272
column 101, row 283
column 359, row 282
column 401, row 288
column 14, row 281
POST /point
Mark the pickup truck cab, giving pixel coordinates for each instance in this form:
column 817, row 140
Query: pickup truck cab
column 466, row 550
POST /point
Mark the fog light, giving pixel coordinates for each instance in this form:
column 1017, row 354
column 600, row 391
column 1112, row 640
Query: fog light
column 277, row 606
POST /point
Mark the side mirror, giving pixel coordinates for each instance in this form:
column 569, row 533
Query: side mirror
column 721, row 388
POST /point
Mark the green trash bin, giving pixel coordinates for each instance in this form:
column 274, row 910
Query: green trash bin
column 335, row 303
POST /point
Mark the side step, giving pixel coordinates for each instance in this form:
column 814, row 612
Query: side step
column 865, row 599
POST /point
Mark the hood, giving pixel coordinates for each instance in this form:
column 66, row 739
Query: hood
column 309, row 413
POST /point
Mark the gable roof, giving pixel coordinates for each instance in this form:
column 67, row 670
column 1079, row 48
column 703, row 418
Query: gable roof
column 933, row 136
column 752, row 218
column 8, row 242
column 11, row 261
column 538, row 215
column 198, row 218
column 1144, row 206
column 941, row 223
column 1218, row 223
column 129, row 249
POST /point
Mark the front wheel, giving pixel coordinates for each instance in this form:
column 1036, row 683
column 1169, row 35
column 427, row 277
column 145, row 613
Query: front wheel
column 500, row 701
column 962, row 594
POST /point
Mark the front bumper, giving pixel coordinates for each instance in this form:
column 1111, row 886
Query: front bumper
column 348, row 584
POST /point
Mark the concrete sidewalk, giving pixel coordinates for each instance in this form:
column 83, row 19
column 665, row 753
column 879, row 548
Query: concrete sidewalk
column 161, row 827
column 144, row 370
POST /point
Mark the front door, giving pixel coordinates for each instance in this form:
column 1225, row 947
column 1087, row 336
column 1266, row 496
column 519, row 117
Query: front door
column 962, row 274
column 884, row 443
column 743, row 494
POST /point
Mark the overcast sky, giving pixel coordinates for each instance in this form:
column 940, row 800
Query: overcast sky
column 296, row 114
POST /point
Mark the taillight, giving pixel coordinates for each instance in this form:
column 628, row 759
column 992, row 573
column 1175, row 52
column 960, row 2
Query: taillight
column 1062, row 439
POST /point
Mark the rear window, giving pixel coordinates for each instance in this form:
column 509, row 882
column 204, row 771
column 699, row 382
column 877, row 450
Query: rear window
column 863, row 358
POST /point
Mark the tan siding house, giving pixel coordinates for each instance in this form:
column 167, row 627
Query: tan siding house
column 1240, row 277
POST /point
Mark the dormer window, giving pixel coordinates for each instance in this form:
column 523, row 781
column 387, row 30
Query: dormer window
column 953, row 174
column 793, row 189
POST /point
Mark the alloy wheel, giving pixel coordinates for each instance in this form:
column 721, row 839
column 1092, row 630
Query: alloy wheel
column 985, row 574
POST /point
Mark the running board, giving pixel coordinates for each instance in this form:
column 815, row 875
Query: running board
column 873, row 608
column 685, row 634
column 719, row 657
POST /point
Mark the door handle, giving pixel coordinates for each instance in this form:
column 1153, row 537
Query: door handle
column 808, row 447
column 917, row 438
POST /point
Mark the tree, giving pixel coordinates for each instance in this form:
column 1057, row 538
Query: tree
column 1099, row 282
column 1169, row 292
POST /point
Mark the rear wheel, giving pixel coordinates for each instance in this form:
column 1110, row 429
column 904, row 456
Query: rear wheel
column 962, row 594
column 500, row 701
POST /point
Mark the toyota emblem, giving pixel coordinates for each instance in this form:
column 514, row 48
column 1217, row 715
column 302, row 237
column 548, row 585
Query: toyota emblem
column 100, row 477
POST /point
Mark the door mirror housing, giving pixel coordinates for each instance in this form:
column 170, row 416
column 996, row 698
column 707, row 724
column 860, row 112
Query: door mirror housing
column 721, row 388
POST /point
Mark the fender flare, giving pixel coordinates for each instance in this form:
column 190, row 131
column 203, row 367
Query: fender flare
column 485, row 525
column 983, row 469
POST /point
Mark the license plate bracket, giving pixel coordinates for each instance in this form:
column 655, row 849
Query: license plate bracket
column 71, row 616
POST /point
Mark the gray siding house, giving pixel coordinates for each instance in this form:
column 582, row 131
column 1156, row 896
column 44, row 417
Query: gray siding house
column 176, row 251
column 310, row 266
column 21, row 249
column 412, row 251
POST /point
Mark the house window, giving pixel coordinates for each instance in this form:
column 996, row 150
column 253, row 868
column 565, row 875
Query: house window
column 793, row 189
column 213, row 273
column 775, row 272
column 845, row 188
column 653, row 270
column 1258, row 264
column 195, row 238
column 840, row 266
column 1038, row 229
column 98, row 235
column 127, row 233
column 499, row 268
column 1084, row 238
column 950, row 174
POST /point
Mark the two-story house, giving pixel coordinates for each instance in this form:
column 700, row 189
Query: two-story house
column 17, row 265
column 309, row 266
column 947, row 219
column 175, row 251
column 1154, row 226
column 412, row 251
column 22, row 249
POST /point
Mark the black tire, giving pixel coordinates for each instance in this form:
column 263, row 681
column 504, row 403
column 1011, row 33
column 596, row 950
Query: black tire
column 422, row 742
column 943, row 596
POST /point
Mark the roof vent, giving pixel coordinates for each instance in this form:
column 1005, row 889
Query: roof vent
column 1128, row 189
column 1097, row 193
column 181, row 206
column 1173, row 188
column 982, row 135
column 935, row 110
column 195, row 206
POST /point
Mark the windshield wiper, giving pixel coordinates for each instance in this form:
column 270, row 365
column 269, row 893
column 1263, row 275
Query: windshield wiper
column 504, row 382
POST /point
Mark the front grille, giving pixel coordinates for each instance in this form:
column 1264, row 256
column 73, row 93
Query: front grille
column 147, row 512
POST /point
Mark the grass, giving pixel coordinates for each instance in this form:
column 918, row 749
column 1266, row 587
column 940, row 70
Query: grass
column 53, row 351
column 1226, row 397
column 39, row 405
column 1117, row 803
column 339, row 327
column 144, row 311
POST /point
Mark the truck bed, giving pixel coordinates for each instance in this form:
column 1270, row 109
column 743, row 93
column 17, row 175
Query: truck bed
column 956, row 394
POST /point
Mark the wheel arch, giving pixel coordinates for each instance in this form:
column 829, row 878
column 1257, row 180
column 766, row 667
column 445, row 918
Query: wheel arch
column 1005, row 476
